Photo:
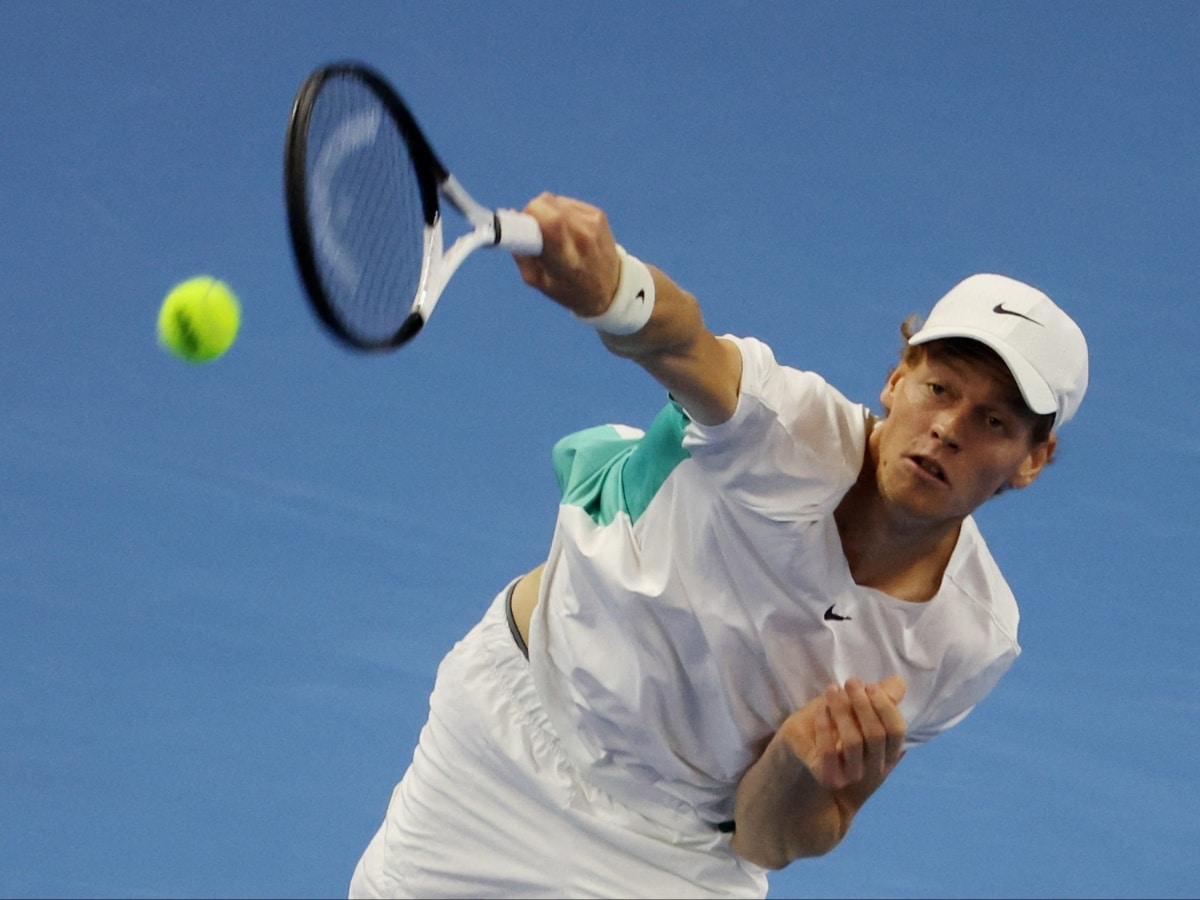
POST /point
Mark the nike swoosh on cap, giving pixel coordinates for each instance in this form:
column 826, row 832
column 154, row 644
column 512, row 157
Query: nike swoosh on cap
column 1000, row 310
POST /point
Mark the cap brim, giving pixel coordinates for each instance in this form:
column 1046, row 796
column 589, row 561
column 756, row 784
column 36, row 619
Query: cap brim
column 1033, row 387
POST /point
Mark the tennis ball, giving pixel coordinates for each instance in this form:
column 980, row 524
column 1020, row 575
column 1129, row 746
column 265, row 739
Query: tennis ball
column 199, row 319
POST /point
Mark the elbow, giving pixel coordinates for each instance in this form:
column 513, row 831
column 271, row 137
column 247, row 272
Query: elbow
column 815, row 845
column 827, row 844
column 780, row 858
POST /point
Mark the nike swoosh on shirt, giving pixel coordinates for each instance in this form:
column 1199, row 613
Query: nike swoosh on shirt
column 831, row 616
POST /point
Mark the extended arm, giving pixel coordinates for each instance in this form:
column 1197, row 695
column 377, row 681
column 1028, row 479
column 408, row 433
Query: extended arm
column 818, row 770
column 579, row 268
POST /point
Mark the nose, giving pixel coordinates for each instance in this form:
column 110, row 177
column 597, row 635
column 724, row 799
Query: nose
column 947, row 427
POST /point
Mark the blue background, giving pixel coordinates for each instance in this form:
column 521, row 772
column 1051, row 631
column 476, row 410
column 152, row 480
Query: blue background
column 224, row 590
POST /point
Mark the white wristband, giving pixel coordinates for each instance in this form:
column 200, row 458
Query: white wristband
column 633, row 302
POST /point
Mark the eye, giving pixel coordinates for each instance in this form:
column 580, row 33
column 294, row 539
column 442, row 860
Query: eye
column 936, row 388
column 997, row 424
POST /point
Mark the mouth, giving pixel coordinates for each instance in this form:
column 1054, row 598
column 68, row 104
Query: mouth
column 929, row 468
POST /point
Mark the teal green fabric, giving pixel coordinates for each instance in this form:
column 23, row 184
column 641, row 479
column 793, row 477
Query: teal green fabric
column 607, row 474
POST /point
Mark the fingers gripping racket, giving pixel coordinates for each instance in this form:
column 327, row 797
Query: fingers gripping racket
column 364, row 194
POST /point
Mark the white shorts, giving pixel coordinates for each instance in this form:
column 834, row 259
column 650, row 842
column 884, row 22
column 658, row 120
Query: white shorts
column 492, row 807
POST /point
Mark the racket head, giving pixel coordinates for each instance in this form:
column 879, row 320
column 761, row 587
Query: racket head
column 362, row 191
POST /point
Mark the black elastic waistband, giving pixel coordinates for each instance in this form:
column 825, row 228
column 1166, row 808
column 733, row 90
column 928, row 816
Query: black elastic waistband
column 512, row 623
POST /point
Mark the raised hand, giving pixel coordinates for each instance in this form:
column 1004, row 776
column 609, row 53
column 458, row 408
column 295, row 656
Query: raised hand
column 578, row 266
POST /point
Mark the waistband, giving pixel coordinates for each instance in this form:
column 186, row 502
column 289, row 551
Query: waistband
column 512, row 622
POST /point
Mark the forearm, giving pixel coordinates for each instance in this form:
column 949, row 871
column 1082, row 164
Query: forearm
column 701, row 371
column 783, row 813
column 582, row 269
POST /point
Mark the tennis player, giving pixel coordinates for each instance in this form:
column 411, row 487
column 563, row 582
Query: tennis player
column 748, row 613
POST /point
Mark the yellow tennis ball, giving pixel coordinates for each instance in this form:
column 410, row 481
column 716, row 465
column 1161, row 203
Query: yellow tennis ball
column 199, row 319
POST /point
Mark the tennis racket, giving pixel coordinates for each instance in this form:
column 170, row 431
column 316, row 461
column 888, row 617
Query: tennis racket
column 365, row 193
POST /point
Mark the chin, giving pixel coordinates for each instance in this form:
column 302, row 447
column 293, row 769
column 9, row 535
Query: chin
column 919, row 503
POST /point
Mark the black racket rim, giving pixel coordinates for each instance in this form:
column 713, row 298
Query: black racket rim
column 430, row 175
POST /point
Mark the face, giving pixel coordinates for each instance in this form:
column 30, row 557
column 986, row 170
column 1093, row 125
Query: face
column 956, row 432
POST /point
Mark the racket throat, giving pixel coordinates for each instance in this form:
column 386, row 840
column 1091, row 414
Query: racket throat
column 409, row 329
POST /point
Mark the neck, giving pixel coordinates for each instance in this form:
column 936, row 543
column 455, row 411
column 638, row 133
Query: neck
column 888, row 549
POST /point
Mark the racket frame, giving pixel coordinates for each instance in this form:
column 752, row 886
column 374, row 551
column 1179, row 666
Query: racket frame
column 508, row 229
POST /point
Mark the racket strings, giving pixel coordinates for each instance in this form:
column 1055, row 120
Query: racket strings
column 366, row 213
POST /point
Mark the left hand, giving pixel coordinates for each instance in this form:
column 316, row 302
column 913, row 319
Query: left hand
column 799, row 798
column 857, row 733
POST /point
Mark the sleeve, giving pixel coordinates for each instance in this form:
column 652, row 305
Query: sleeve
column 614, row 469
column 978, row 618
column 793, row 446
column 957, row 705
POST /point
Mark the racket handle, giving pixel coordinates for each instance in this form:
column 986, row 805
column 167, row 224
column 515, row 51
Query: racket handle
column 518, row 233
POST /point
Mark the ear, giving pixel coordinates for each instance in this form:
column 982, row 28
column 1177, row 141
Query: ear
column 1031, row 467
column 889, row 387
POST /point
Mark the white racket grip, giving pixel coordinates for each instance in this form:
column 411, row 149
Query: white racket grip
column 518, row 233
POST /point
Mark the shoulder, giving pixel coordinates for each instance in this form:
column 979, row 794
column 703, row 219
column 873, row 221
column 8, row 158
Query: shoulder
column 976, row 624
column 777, row 384
column 787, row 402
column 974, row 574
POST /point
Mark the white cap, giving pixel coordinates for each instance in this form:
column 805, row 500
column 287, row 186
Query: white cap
column 1041, row 345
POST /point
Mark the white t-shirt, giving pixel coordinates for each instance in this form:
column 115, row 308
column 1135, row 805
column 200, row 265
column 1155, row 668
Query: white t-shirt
column 696, row 594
